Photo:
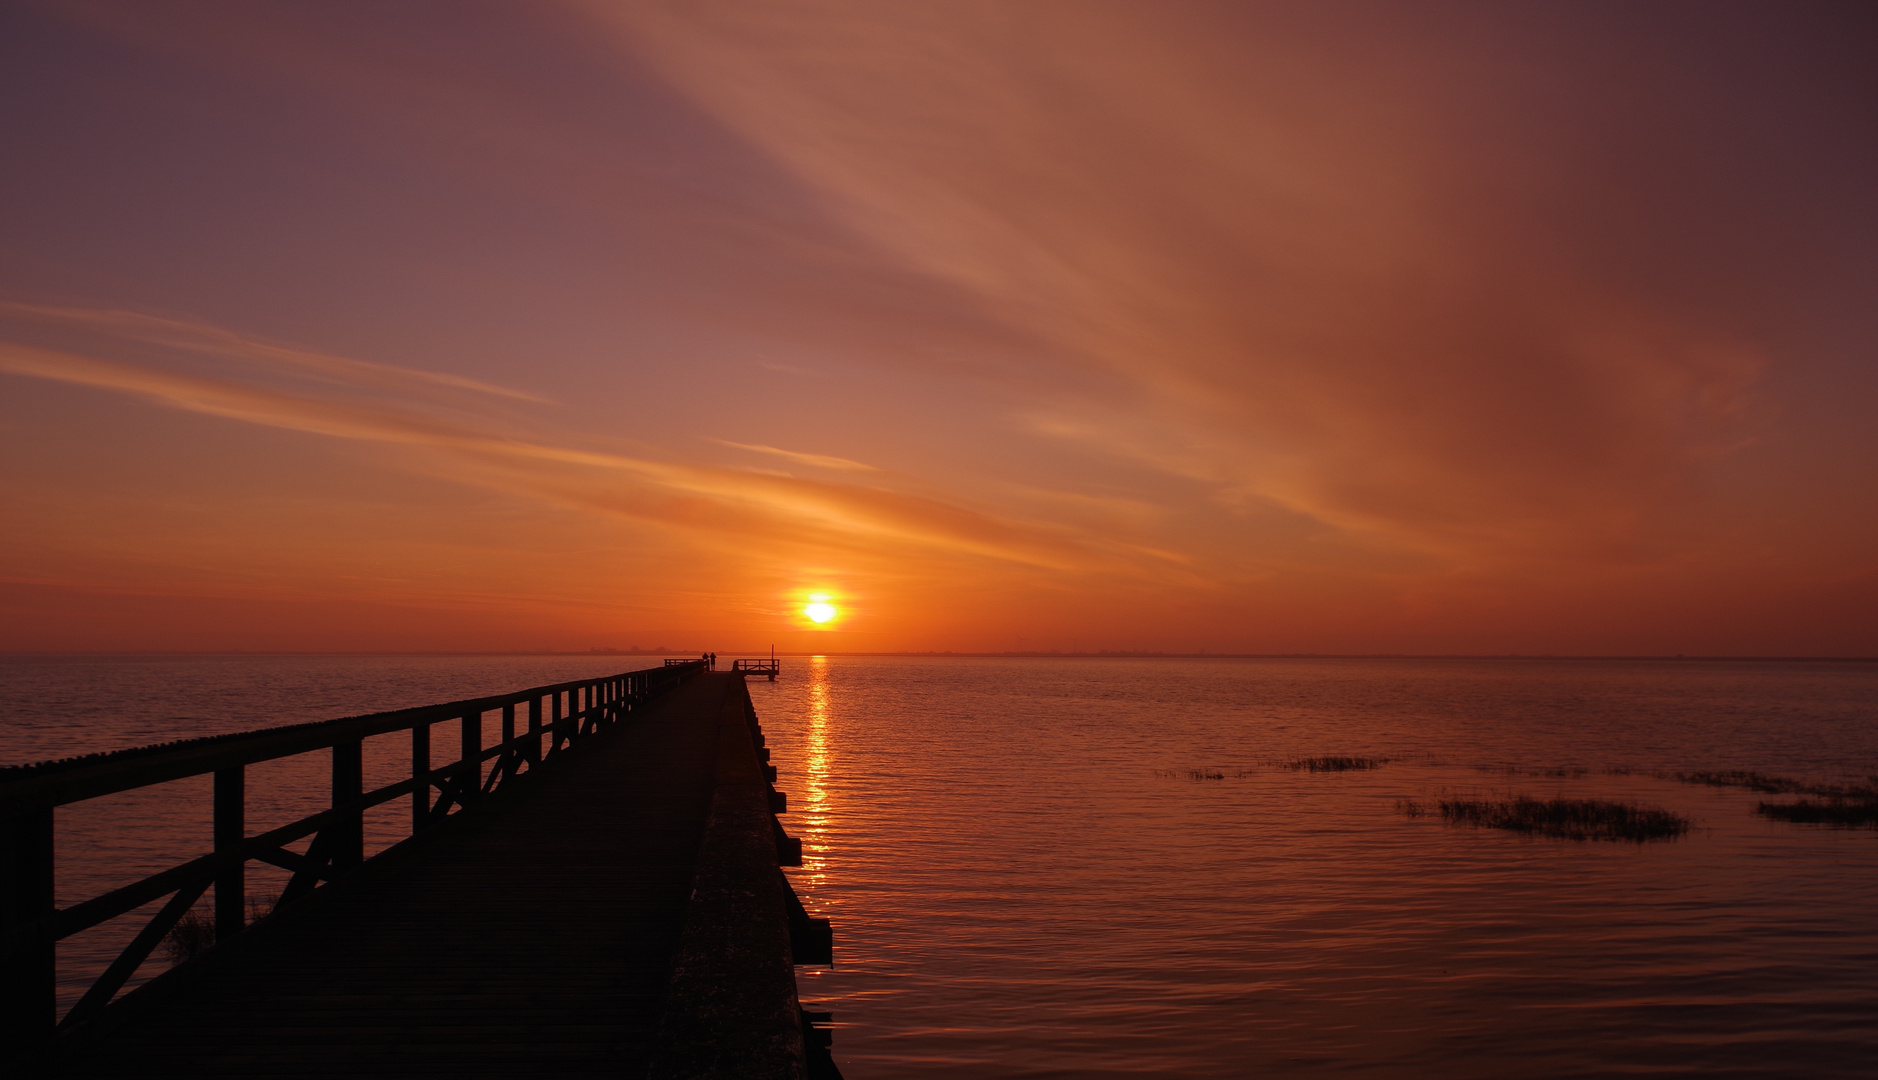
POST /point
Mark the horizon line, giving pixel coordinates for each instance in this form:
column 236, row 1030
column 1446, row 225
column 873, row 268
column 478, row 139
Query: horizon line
column 1044, row 654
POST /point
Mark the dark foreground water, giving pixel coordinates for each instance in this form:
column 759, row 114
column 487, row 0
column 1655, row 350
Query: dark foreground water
column 1101, row 868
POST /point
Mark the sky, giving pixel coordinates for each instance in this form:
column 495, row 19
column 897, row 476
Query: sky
column 1245, row 327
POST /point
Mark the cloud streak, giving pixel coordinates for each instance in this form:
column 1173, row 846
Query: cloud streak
column 739, row 500
column 1311, row 297
column 205, row 339
column 818, row 461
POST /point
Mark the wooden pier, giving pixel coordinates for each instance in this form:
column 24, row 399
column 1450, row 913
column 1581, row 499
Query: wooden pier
column 596, row 894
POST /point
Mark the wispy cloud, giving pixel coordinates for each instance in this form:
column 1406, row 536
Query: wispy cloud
column 205, row 339
column 819, row 461
column 504, row 456
column 1305, row 297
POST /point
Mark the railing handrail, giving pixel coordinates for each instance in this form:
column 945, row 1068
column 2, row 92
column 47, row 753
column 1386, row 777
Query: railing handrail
column 67, row 780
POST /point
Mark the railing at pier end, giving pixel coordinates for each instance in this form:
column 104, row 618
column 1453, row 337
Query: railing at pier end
column 756, row 665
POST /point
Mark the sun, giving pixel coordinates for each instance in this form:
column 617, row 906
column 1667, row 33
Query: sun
column 818, row 609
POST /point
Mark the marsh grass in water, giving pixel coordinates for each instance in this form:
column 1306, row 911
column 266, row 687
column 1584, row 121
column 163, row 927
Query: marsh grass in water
column 1309, row 764
column 1567, row 819
column 194, row 933
column 191, row 936
column 1839, row 813
column 1202, row 774
column 1335, row 764
column 1741, row 778
column 1843, row 806
column 1550, row 774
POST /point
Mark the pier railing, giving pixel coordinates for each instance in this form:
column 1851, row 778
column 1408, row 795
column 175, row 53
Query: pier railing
column 31, row 925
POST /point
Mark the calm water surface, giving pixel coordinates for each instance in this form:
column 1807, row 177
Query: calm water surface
column 1026, row 879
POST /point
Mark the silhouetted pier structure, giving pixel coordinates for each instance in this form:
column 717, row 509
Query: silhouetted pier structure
column 756, row 665
column 597, row 892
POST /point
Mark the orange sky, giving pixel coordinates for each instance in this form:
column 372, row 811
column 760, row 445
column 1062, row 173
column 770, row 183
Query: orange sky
column 1240, row 327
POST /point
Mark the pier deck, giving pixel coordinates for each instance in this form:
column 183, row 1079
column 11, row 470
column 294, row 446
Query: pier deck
column 534, row 935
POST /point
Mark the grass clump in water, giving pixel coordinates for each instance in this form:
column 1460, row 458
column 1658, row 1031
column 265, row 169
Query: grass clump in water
column 194, row 933
column 1856, row 813
column 1742, row 778
column 1201, row 774
column 191, row 936
column 1842, row 806
column 1335, row 764
column 1567, row 819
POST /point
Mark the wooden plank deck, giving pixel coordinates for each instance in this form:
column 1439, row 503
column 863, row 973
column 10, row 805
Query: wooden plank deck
column 532, row 937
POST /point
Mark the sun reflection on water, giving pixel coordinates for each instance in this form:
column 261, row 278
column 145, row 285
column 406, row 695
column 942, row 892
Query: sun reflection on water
column 815, row 769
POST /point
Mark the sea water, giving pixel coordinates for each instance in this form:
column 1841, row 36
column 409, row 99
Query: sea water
column 1081, row 867
column 1102, row 868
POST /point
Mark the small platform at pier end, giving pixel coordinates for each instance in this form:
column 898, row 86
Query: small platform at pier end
column 759, row 665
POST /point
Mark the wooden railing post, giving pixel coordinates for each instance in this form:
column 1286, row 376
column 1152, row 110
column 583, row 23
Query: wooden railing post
column 554, row 739
column 420, row 767
column 348, row 828
column 28, row 974
column 507, row 761
column 231, row 886
column 534, row 730
column 470, row 771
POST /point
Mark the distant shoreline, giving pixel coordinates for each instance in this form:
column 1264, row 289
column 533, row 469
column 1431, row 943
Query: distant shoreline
column 947, row 654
